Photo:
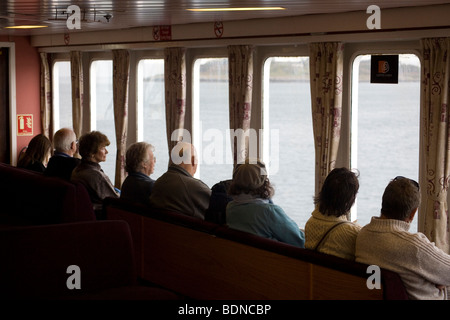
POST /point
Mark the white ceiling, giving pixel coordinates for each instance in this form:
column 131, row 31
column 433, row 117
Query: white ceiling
column 128, row 13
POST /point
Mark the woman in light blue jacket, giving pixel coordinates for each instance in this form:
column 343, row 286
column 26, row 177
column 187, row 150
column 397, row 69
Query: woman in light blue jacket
column 252, row 211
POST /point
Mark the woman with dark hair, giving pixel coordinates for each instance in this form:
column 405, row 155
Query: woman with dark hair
column 92, row 148
column 328, row 229
column 252, row 211
column 37, row 154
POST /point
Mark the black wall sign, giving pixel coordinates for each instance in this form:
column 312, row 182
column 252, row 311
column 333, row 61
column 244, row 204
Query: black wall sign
column 384, row 69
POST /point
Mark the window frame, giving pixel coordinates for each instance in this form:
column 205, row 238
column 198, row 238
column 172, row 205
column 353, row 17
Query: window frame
column 55, row 93
column 351, row 142
column 93, row 111
column 136, row 123
column 192, row 93
column 264, row 140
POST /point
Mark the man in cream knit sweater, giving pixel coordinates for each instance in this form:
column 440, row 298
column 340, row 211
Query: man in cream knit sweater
column 386, row 242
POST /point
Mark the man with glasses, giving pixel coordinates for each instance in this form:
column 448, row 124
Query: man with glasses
column 387, row 243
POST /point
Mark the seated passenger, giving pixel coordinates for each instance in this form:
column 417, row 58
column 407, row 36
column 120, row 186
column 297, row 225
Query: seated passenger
column 37, row 154
column 251, row 210
column 62, row 162
column 218, row 202
column 92, row 148
column 177, row 189
column 140, row 164
column 328, row 229
column 387, row 243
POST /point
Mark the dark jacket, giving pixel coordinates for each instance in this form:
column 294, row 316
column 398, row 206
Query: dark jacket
column 137, row 187
column 61, row 165
column 96, row 182
column 177, row 190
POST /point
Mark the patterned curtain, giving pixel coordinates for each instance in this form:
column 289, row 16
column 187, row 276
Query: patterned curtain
column 326, row 70
column 433, row 219
column 76, row 69
column 240, row 65
column 121, row 75
column 46, row 95
column 175, row 95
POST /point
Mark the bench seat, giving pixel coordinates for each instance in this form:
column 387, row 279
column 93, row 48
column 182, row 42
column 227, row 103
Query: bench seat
column 203, row 260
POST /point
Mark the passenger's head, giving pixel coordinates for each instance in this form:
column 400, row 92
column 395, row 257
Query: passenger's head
column 65, row 141
column 185, row 156
column 140, row 158
column 251, row 178
column 92, row 146
column 401, row 198
column 338, row 193
column 39, row 150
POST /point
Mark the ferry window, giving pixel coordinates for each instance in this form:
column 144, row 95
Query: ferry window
column 62, row 95
column 385, row 132
column 211, row 134
column 151, row 112
column 288, row 135
column 102, row 110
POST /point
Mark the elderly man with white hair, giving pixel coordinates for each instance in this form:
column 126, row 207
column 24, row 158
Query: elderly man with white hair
column 177, row 189
column 62, row 163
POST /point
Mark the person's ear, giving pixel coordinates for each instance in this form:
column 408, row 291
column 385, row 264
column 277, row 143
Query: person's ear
column 411, row 215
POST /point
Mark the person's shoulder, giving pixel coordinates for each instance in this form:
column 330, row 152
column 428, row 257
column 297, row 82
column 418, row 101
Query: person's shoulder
column 69, row 161
column 273, row 207
column 203, row 185
column 88, row 170
column 37, row 166
column 192, row 181
column 353, row 226
column 74, row 160
column 161, row 180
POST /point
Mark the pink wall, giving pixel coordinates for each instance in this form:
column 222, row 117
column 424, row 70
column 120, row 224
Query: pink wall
column 27, row 84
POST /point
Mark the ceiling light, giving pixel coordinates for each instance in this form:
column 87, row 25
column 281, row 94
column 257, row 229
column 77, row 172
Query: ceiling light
column 26, row 27
column 235, row 9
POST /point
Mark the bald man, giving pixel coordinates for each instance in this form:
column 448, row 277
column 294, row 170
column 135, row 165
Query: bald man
column 177, row 189
column 62, row 162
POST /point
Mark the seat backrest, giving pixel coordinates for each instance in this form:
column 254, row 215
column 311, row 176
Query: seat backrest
column 30, row 198
column 35, row 259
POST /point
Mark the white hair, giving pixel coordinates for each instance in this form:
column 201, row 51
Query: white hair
column 63, row 138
